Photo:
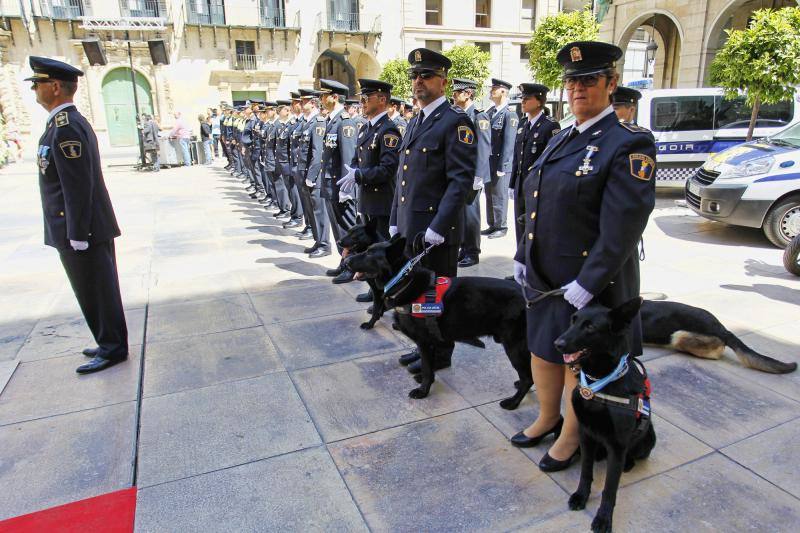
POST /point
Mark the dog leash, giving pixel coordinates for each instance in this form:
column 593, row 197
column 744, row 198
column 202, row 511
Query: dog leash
column 542, row 294
column 406, row 269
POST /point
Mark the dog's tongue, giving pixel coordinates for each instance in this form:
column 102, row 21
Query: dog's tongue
column 571, row 357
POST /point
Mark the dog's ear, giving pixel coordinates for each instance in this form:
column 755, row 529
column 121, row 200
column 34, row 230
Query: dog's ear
column 623, row 315
column 396, row 248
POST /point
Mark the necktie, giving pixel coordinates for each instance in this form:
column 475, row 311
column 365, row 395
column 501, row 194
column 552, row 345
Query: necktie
column 492, row 111
column 421, row 116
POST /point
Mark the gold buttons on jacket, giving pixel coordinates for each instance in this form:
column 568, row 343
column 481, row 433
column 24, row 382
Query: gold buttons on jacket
column 402, row 198
column 408, row 151
column 361, row 148
column 424, row 150
column 585, row 253
column 530, row 236
column 359, row 160
column 376, row 189
column 430, row 208
column 533, row 215
column 61, row 213
column 535, row 194
column 403, row 183
column 405, row 167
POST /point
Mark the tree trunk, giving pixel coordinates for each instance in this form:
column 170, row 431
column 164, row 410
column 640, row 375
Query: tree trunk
column 753, row 117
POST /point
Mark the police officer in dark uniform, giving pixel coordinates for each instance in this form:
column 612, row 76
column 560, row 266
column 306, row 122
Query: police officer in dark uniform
column 309, row 166
column 626, row 101
column 396, row 114
column 257, row 153
column 463, row 95
column 504, row 130
column 435, row 172
column 283, row 128
column 588, row 199
column 295, row 135
column 79, row 219
column 246, row 140
column 535, row 130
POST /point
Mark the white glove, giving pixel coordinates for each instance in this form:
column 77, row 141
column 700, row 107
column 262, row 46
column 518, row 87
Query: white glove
column 79, row 246
column 344, row 196
column 309, row 183
column 349, row 179
column 500, row 174
column 477, row 183
column 577, row 295
column 431, row 237
column 392, row 231
column 519, row 272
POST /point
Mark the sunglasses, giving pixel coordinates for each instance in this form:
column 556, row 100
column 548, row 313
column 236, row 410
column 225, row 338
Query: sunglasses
column 38, row 82
column 424, row 74
column 587, row 80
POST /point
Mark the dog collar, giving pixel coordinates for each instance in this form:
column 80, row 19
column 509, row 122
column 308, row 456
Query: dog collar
column 588, row 391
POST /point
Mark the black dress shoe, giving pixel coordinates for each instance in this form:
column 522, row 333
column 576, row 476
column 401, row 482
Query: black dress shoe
column 369, row 310
column 282, row 215
column 408, row 358
column 438, row 364
column 520, row 440
column 311, row 249
column 510, row 278
column 344, row 277
column 496, row 234
column 365, row 297
column 292, row 224
column 487, row 231
column 333, row 272
column 303, row 231
column 306, row 236
column 98, row 363
column 468, row 261
column 548, row 464
column 319, row 252
column 90, row 352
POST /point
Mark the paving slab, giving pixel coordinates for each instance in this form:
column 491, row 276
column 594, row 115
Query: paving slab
column 300, row 491
column 12, row 337
column 481, row 375
column 7, row 369
column 711, row 404
column 297, row 303
column 773, row 455
column 59, row 336
column 202, row 430
column 712, row 494
column 50, row 387
column 61, row 459
column 168, row 322
column 204, row 360
column 324, row 340
column 368, row 394
column 455, row 473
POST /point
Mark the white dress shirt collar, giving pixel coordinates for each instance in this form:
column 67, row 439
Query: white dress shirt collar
column 594, row 120
column 430, row 108
column 533, row 119
column 374, row 120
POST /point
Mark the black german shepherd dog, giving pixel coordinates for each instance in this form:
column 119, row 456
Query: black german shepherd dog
column 474, row 307
column 355, row 241
column 612, row 417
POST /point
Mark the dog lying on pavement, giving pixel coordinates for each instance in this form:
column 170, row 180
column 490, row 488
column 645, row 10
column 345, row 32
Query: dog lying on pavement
column 472, row 307
column 612, row 401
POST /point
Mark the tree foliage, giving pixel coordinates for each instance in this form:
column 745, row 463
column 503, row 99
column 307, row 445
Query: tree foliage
column 762, row 61
column 551, row 35
column 395, row 71
column 469, row 62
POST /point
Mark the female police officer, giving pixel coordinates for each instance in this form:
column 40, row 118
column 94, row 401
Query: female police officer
column 588, row 198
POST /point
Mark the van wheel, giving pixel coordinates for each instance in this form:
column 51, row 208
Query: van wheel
column 782, row 223
column 791, row 257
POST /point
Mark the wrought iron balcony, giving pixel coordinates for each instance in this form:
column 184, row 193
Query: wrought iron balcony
column 361, row 23
column 212, row 13
column 62, row 9
column 143, row 8
column 245, row 62
column 272, row 17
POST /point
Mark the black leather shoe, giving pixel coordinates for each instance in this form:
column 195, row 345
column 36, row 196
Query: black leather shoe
column 496, row 234
column 520, row 440
column 306, row 229
column 282, row 215
column 408, row 358
column 438, row 364
column 468, row 261
column 310, row 249
column 510, row 278
column 345, row 277
column 365, row 297
column 306, row 236
column 253, row 195
column 319, row 252
column 548, row 464
column 90, row 352
column 487, row 231
column 98, row 363
column 369, row 310
column 333, row 272
column 292, row 224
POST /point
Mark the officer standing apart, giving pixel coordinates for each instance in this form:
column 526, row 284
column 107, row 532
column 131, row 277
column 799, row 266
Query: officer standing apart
column 504, row 130
column 463, row 96
column 588, row 199
column 309, row 165
column 436, row 170
column 533, row 134
column 79, row 220
column 625, row 101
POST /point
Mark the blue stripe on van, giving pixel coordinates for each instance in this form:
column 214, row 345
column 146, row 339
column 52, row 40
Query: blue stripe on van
column 781, row 177
column 694, row 147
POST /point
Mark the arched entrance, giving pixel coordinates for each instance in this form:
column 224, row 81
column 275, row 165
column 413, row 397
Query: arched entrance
column 345, row 63
column 119, row 105
column 661, row 28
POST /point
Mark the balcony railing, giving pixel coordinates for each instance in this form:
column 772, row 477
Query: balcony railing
column 339, row 21
column 205, row 13
column 143, row 8
column 245, row 62
column 62, row 9
column 272, row 17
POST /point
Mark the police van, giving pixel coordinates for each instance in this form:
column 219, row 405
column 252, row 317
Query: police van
column 690, row 125
column 754, row 184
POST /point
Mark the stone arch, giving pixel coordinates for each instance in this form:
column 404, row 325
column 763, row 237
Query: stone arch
column 361, row 63
column 668, row 33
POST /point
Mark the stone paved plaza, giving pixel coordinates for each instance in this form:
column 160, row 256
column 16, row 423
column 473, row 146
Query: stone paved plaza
column 261, row 405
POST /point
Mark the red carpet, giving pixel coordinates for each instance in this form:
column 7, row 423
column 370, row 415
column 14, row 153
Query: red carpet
column 109, row 513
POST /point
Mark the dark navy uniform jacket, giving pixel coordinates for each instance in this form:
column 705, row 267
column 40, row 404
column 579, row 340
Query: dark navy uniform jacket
column 530, row 143
column 283, row 134
column 339, row 147
column 258, row 139
column 504, row 130
column 246, row 137
column 376, row 157
column 75, row 201
column 268, row 146
column 482, row 127
column 587, row 204
column 309, row 159
column 295, row 134
column 436, row 170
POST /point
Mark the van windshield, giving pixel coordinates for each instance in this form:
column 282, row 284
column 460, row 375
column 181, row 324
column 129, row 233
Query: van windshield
column 790, row 135
column 709, row 112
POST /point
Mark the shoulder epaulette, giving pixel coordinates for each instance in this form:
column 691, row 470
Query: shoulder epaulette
column 635, row 128
column 320, row 118
column 61, row 119
column 345, row 114
column 457, row 109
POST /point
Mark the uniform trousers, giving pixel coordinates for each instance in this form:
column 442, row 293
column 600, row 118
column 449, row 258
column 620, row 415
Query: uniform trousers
column 296, row 204
column 497, row 201
column 320, row 225
column 471, row 243
column 305, row 197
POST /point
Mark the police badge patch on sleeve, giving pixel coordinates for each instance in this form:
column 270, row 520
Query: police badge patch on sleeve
column 465, row 135
column 483, row 124
column 642, row 166
column 348, row 131
column 320, row 130
column 70, row 149
column 391, row 140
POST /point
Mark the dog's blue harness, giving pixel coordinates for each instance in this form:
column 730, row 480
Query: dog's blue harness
column 639, row 403
column 588, row 391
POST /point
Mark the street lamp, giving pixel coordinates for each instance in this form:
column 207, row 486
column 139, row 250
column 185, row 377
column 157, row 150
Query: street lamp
column 651, row 49
column 346, row 54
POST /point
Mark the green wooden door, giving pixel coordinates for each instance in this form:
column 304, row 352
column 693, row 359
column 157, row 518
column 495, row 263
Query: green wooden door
column 118, row 100
column 240, row 97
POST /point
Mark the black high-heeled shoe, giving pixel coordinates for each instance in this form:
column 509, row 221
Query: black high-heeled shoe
column 548, row 464
column 521, row 440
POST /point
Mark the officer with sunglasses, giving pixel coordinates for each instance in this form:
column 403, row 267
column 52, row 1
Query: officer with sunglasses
column 436, row 171
column 588, row 199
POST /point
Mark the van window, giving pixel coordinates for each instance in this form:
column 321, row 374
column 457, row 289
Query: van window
column 682, row 113
column 736, row 114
